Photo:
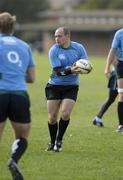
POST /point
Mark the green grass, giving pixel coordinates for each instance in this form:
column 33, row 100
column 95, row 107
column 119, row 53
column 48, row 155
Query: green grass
column 89, row 153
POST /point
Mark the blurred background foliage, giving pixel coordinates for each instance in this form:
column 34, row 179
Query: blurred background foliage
column 100, row 4
column 27, row 10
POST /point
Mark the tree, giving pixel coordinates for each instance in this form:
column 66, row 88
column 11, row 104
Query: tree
column 25, row 10
column 116, row 4
column 100, row 4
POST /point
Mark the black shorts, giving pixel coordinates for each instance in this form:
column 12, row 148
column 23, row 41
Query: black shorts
column 15, row 106
column 119, row 69
column 53, row 92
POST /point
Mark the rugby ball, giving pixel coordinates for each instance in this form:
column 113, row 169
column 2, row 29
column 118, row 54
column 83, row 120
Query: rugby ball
column 84, row 65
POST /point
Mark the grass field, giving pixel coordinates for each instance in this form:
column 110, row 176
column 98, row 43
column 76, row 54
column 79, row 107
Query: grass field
column 89, row 153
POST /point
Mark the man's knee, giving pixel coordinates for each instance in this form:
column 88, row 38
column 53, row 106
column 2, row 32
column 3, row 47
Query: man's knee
column 52, row 118
column 65, row 115
column 21, row 130
column 120, row 92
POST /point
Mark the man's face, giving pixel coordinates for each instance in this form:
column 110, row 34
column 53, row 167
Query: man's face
column 60, row 38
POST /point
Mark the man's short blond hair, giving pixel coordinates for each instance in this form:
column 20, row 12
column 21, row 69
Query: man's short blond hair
column 7, row 22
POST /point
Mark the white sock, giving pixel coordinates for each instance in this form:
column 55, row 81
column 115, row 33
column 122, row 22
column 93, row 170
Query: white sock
column 98, row 119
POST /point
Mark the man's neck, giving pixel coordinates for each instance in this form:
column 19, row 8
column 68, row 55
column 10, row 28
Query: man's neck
column 67, row 45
